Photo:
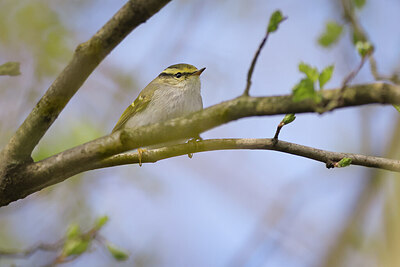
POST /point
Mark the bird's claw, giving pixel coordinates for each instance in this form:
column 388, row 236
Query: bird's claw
column 194, row 140
column 140, row 152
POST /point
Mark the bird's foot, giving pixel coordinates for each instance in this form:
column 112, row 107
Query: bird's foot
column 194, row 140
column 140, row 152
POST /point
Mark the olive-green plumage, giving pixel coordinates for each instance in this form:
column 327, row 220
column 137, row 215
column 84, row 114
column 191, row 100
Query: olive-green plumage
column 173, row 93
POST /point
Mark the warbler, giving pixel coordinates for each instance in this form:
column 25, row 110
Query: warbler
column 173, row 93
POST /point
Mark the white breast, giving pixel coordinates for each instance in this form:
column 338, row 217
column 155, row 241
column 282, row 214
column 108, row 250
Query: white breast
column 168, row 103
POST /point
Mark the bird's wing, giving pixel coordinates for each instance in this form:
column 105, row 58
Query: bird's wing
column 140, row 103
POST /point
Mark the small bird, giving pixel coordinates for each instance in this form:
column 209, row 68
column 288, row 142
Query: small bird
column 173, row 93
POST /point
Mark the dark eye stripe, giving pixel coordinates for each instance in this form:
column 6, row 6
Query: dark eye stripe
column 163, row 74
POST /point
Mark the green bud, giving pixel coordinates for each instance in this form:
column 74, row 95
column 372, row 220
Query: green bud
column 75, row 246
column 364, row 48
column 288, row 118
column 73, row 231
column 117, row 253
column 101, row 221
column 344, row 162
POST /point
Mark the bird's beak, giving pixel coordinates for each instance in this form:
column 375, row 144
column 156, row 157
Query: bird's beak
column 199, row 72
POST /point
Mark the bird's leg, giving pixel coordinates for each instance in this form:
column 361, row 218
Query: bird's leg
column 140, row 152
column 194, row 139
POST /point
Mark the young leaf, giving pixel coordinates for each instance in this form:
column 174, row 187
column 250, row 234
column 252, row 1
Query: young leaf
column 364, row 48
column 310, row 72
column 288, row 118
column 101, row 221
column 73, row 231
column 325, row 76
column 117, row 253
column 304, row 90
column 75, row 246
column 344, row 162
column 274, row 21
column 10, row 69
column 331, row 35
column 359, row 3
column 397, row 107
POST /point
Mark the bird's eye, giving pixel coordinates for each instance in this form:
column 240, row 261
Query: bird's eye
column 178, row 75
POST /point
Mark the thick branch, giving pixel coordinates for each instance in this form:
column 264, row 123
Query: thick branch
column 85, row 59
column 35, row 176
column 260, row 144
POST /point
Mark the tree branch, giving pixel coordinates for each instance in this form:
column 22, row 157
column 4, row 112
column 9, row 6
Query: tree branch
column 85, row 59
column 359, row 32
column 28, row 252
column 324, row 156
column 257, row 54
column 32, row 177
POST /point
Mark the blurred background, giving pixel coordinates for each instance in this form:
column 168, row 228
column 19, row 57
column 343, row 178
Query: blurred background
column 224, row 208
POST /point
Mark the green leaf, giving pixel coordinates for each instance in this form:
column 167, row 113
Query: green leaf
column 274, row 21
column 359, row 3
column 331, row 35
column 397, row 107
column 344, row 162
column 325, row 76
column 304, row 90
column 10, row 69
column 117, row 253
column 364, row 48
column 75, row 246
column 288, row 118
column 310, row 72
column 73, row 231
column 100, row 222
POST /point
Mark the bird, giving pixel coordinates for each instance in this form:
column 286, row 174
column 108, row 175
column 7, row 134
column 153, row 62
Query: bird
column 175, row 92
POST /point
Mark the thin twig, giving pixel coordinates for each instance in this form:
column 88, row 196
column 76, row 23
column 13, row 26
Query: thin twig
column 278, row 130
column 340, row 98
column 253, row 64
column 353, row 74
column 28, row 252
column 327, row 157
column 254, row 61
column 360, row 33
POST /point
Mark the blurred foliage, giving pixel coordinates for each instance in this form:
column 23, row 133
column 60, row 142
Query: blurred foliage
column 359, row 3
column 331, row 34
column 79, row 133
column 73, row 244
column 10, row 68
column 117, row 253
column 35, row 24
column 364, row 48
column 310, row 72
column 325, row 76
column 305, row 89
